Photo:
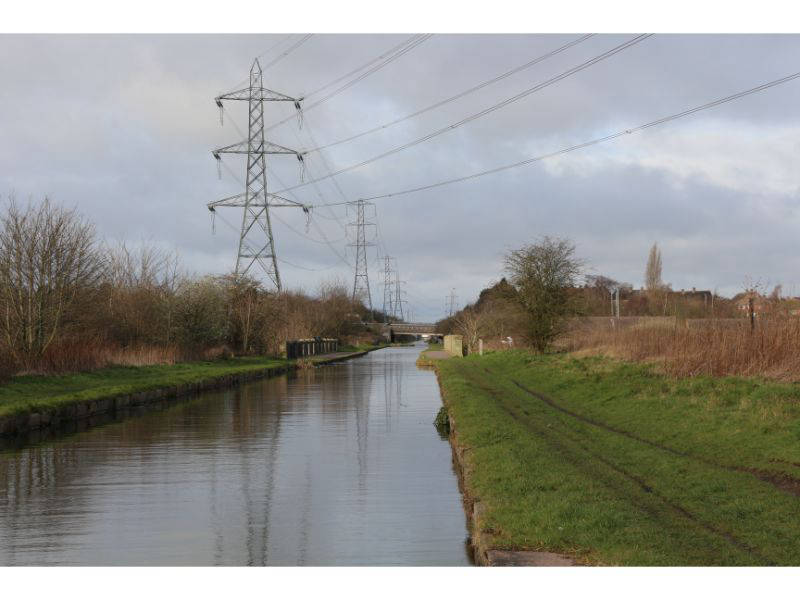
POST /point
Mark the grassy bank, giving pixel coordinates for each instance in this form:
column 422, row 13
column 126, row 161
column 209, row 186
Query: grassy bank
column 32, row 393
column 613, row 463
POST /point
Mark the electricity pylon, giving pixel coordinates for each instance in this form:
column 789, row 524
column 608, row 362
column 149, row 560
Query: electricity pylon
column 451, row 301
column 256, row 201
column 388, row 309
column 361, row 280
column 398, row 300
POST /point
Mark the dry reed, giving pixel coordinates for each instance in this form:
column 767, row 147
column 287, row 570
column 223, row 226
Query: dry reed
column 80, row 354
column 697, row 347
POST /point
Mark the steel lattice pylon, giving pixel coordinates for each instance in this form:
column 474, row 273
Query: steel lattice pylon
column 361, row 280
column 256, row 201
column 398, row 295
column 388, row 309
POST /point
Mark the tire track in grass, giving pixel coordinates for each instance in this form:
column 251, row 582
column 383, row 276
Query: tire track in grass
column 782, row 481
column 578, row 462
column 649, row 491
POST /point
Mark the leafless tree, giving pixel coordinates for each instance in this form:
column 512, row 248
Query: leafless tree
column 49, row 263
column 652, row 274
column 141, row 287
column 244, row 297
column 474, row 323
column 336, row 309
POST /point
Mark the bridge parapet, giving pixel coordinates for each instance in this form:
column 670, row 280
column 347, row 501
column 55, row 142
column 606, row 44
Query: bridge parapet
column 416, row 328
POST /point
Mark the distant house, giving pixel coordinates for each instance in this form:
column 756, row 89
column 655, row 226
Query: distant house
column 760, row 303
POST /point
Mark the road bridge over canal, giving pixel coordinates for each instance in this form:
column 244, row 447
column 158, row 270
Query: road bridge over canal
column 426, row 329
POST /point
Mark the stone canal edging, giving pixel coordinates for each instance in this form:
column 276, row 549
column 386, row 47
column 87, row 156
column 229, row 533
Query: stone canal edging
column 484, row 551
column 22, row 423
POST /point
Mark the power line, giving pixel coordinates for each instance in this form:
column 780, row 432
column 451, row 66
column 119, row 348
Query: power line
column 367, row 64
column 405, row 48
column 455, row 97
column 288, row 226
column 296, row 266
column 278, row 58
column 304, row 235
column 486, row 111
column 313, row 222
column 328, row 170
column 594, row 141
column 289, row 50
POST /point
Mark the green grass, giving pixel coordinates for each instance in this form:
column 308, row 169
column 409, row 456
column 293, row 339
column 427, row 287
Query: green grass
column 37, row 392
column 615, row 464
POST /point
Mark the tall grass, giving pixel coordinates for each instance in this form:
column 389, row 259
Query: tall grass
column 72, row 354
column 697, row 347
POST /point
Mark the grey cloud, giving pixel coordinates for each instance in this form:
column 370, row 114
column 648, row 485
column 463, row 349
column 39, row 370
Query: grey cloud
column 122, row 128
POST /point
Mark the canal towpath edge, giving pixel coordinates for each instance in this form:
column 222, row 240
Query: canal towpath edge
column 24, row 422
column 483, row 549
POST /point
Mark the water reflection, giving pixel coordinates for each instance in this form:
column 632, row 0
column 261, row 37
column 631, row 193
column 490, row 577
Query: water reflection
column 339, row 465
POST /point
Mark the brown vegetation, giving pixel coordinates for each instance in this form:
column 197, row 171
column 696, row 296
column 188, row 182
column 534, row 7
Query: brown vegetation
column 70, row 302
column 689, row 347
column 494, row 317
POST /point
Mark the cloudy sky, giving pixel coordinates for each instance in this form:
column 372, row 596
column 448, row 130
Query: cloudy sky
column 121, row 127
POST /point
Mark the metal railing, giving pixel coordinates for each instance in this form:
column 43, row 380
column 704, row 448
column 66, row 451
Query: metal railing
column 310, row 347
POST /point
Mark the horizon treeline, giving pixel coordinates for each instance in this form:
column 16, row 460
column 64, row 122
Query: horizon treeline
column 546, row 301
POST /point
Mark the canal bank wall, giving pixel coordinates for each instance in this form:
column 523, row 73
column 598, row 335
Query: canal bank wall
column 484, row 550
column 85, row 410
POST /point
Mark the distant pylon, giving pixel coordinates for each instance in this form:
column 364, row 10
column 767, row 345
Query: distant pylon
column 388, row 309
column 398, row 299
column 451, row 302
column 256, row 201
column 361, row 279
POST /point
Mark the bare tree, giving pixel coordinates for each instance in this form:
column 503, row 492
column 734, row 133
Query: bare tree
column 244, row 296
column 543, row 275
column 472, row 323
column 335, row 309
column 652, row 273
column 142, row 284
column 603, row 284
column 49, row 263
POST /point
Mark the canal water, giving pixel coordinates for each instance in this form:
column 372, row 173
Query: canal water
column 339, row 465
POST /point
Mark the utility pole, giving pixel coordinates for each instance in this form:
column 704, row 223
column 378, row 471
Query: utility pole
column 255, row 248
column 361, row 280
column 451, row 302
column 388, row 309
column 615, row 302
